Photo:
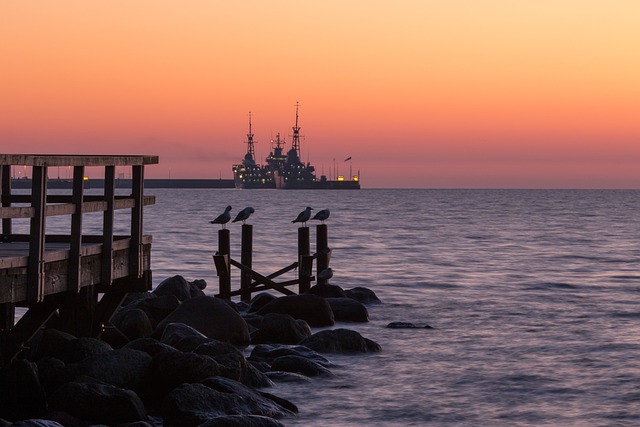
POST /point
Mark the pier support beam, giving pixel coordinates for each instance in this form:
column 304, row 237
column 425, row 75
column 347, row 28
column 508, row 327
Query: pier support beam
column 221, row 260
column 304, row 268
column 323, row 251
column 246, row 260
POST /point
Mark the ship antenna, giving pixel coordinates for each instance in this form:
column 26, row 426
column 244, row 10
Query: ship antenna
column 250, row 141
column 295, row 144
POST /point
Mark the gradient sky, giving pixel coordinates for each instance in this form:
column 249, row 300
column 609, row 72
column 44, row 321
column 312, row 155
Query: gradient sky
column 424, row 93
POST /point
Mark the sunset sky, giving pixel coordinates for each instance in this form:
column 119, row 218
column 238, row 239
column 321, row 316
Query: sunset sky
column 424, row 93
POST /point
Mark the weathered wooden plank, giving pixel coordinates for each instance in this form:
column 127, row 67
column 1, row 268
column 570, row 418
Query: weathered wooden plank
column 137, row 192
column 107, row 224
column 75, row 251
column 70, row 208
column 43, row 160
column 35, row 291
column 5, row 196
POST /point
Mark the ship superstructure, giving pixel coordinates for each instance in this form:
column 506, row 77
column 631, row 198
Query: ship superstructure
column 282, row 170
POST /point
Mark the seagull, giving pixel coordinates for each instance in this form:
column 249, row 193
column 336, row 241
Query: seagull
column 244, row 214
column 326, row 274
column 303, row 216
column 322, row 215
column 223, row 218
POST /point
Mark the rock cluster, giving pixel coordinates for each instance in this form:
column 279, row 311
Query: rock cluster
column 174, row 357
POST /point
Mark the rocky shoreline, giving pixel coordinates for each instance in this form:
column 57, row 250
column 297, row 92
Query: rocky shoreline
column 174, row 357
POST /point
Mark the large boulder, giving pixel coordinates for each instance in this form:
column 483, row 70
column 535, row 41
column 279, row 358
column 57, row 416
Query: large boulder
column 97, row 402
column 212, row 317
column 340, row 341
column 327, row 291
column 150, row 346
column 46, row 342
column 348, row 310
column 268, row 353
column 232, row 362
column 281, row 329
column 180, row 288
column 300, row 365
column 363, row 295
column 312, row 309
column 242, row 421
column 259, row 301
column 157, row 307
column 21, row 394
column 172, row 368
column 123, row 368
column 78, row 349
column 134, row 323
column 194, row 404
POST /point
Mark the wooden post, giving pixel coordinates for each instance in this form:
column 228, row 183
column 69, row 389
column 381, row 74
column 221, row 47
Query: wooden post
column 107, row 225
column 224, row 270
column 322, row 248
column 246, row 259
column 75, row 264
column 303, row 251
column 5, row 196
column 135, row 249
column 35, row 270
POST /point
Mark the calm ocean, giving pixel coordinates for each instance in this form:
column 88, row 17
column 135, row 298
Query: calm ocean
column 534, row 297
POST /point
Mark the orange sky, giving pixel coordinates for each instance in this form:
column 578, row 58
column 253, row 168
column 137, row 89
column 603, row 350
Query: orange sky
column 425, row 93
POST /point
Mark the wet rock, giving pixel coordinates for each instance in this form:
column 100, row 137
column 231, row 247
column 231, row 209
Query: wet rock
column 259, row 301
column 78, row 349
column 340, row 341
column 212, row 317
column 123, row 368
column 156, row 308
column 348, row 310
column 45, row 342
column 408, row 325
column 363, row 295
column 134, row 323
column 36, row 423
column 172, row 368
column 327, row 291
column 194, row 404
column 179, row 287
column 299, row 365
column 242, row 421
column 281, row 329
column 231, row 360
column 97, row 402
column 150, row 346
column 287, row 377
column 268, row 353
column 313, row 309
column 112, row 336
column 21, row 394
column 175, row 333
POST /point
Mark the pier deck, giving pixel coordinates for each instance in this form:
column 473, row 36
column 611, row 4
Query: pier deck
column 83, row 278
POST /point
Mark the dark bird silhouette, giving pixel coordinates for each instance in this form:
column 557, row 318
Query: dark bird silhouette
column 223, row 218
column 322, row 215
column 303, row 216
column 244, row 214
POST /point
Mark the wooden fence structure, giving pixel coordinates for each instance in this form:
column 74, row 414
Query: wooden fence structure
column 65, row 274
column 252, row 281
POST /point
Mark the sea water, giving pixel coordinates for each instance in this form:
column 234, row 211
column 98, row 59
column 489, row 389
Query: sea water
column 533, row 296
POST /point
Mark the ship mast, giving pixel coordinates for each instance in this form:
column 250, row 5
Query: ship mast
column 295, row 143
column 250, row 149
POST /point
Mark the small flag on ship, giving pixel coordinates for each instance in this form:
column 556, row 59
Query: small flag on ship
column 347, row 159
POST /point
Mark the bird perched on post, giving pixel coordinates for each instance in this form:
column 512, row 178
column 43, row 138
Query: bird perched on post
column 244, row 214
column 322, row 215
column 223, row 218
column 303, row 216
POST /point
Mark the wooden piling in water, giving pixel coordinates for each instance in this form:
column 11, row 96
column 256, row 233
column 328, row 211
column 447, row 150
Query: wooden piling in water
column 323, row 251
column 304, row 270
column 246, row 260
column 222, row 262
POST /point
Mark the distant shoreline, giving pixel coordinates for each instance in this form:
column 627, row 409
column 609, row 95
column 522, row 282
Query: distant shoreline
column 54, row 183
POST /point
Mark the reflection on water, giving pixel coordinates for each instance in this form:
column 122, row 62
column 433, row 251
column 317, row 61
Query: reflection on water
column 533, row 295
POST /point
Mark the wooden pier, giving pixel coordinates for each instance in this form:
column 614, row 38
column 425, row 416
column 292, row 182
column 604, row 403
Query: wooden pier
column 83, row 278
